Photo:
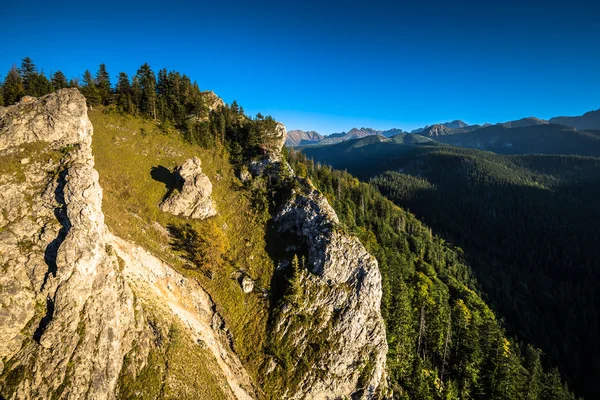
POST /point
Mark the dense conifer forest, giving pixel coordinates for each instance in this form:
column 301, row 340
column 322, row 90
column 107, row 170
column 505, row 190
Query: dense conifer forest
column 445, row 342
column 528, row 227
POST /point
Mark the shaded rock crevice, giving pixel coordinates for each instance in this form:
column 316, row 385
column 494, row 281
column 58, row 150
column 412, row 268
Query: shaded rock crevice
column 60, row 213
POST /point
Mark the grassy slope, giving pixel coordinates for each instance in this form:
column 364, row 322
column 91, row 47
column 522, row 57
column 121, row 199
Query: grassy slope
column 126, row 149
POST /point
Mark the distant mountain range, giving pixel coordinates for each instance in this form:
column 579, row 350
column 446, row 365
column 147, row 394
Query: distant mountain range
column 301, row 138
column 456, row 124
column 526, row 135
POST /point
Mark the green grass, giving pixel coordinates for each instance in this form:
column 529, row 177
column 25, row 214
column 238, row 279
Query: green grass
column 41, row 152
column 125, row 158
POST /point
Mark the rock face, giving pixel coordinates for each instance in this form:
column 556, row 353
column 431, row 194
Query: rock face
column 66, row 309
column 276, row 139
column 74, row 300
column 194, row 200
column 212, row 101
column 341, row 292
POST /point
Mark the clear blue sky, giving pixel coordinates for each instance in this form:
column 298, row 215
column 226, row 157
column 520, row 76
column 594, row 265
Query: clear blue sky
column 332, row 65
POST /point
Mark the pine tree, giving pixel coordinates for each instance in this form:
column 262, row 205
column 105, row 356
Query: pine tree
column 29, row 75
column 89, row 89
column 147, row 82
column 103, row 84
column 41, row 85
column 59, row 80
column 13, row 90
column 162, row 90
column 124, row 94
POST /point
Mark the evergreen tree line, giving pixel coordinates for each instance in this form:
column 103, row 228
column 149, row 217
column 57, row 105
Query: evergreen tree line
column 169, row 97
column 444, row 341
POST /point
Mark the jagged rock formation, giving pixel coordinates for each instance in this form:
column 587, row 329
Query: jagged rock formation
column 276, row 139
column 329, row 321
column 342, row 296
column 67, row 311
column 194, row 199
column 212, row 101
column 75, row 301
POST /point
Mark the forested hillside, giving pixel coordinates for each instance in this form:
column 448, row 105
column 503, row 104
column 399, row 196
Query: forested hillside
column 445, row 342
column 528, row 225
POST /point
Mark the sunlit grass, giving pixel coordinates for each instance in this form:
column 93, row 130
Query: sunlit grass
column 126, row 149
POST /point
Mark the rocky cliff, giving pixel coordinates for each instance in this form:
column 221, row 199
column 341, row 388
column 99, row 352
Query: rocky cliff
column 329, row 322
column 82, row 311
column 328, row 336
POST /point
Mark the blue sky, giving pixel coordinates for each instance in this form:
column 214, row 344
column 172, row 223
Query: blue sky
column 332, row 65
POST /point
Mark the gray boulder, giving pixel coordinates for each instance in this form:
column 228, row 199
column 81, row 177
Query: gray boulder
column 194, row 200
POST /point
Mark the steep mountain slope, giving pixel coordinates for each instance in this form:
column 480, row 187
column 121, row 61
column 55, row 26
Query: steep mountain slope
column 444, row 341
column 242, row 227
column 154, row 305
column 302, row 138
column 589, row 120
column 82, row 309
column 527, row 224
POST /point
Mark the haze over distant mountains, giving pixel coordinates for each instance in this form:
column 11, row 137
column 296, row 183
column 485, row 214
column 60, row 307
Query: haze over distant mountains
column 518, row 136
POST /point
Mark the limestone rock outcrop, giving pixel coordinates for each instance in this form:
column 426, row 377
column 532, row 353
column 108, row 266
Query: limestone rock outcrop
column 75, row 301
column 67, row 312
column 212, row 101
column 194, row 199
column 341, row 291
column 276, row 139
column 328, row 321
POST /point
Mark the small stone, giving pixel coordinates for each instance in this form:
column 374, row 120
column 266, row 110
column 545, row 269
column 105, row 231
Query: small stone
column 25, row 160
column 27, row 99
column 245, row 175
column 247, row 284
